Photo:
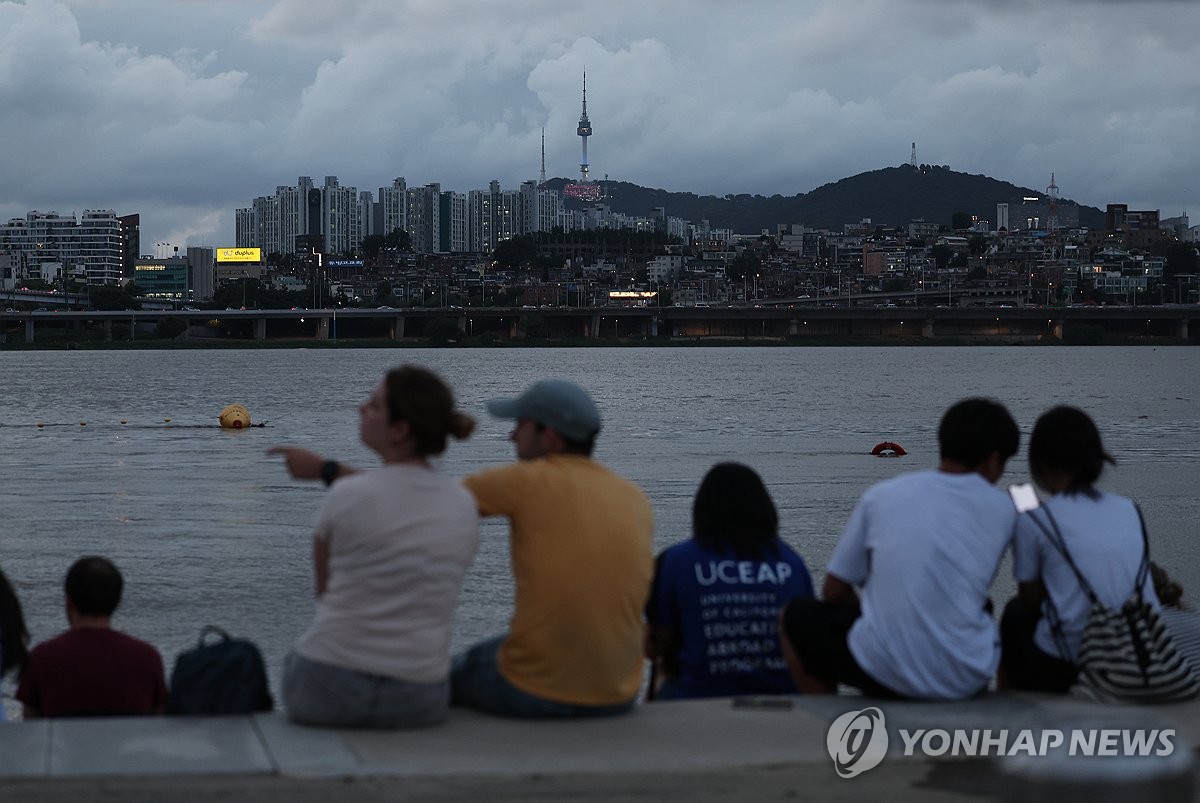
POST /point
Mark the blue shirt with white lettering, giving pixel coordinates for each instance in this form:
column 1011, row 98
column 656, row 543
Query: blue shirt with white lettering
column 724, row 611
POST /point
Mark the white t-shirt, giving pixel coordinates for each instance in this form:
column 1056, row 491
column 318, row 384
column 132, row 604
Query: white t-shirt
column 1104, row 538
column 925, row 547
column 400, row 540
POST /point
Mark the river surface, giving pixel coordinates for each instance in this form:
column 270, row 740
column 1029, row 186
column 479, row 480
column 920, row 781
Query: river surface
column 208, row 529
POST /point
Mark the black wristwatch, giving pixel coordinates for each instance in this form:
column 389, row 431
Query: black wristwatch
column 329, row 472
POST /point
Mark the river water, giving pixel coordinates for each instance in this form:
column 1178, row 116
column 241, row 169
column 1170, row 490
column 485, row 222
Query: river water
column 208, row 529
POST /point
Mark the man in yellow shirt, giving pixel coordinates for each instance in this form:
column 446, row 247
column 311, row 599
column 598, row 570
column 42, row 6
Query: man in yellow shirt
column 582, row 562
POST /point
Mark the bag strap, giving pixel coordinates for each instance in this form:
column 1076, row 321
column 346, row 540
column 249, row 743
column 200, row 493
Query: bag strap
column 1144, row 568
column 1055, row 536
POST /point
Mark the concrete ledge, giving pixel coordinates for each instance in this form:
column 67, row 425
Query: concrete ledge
column 670, row 747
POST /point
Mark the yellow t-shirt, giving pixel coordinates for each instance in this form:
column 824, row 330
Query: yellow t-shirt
column 582, row 560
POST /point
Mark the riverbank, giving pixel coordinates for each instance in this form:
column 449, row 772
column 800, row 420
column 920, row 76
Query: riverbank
column 700, row 750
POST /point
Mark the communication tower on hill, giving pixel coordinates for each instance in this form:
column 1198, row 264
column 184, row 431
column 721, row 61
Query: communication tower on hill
column 1052, row 203
column 912, row 160
column 584, row 131
column 585, row 189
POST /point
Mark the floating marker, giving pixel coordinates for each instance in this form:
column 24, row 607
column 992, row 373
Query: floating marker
column 83, row 423
column 40, row 425
column 235, row 416
column 166, row 420
column 123, row 421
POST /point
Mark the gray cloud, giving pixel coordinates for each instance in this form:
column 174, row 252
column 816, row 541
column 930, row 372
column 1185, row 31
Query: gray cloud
column 184, row 110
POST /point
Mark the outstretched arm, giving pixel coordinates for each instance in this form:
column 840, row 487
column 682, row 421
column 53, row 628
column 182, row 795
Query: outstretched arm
column 305, row 464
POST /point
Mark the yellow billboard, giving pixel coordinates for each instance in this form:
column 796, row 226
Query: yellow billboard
column 239, row 255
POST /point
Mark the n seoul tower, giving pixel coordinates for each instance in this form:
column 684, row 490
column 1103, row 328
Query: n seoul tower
column 584, row 131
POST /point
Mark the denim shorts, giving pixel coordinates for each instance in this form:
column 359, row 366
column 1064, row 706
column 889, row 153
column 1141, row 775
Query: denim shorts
column 316, row 693
column 477, row 683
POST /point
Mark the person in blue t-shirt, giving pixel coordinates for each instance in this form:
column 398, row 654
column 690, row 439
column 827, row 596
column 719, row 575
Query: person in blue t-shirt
column 715, row 600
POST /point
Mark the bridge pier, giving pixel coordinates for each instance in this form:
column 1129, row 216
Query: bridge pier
column 1056, row 329
column 1181, row 331
column 322, row 328
column 397, row 328
column 107, row 330
column 793, row 327
column 260, row 328
column 595, row 326
column 927, row 328
column 29, row 330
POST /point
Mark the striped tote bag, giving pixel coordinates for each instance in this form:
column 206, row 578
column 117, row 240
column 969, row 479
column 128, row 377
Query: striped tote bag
column 1127, row 654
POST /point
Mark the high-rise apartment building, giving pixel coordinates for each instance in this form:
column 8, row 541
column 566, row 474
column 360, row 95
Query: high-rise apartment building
column 453, row 218
column 202, row 270
column 336, row 213
column 424, row 221
column 92, row 247
column 389, row 210
column 541, row 209
column 131, row 243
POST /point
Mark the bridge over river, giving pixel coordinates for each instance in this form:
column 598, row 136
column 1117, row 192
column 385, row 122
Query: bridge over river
column 621, row 323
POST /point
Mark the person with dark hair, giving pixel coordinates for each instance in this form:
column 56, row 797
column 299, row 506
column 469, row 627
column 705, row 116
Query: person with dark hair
column 923, row 548
column 1079, row 527
column 715, row 600
column 92, row 670
column 582, row 562
column 14, row 637
column 390, row 550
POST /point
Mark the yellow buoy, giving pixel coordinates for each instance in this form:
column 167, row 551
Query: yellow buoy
column 235, row 416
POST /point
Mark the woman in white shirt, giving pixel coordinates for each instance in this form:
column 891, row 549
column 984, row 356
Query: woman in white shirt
column 390, row 550
column 1079, row 530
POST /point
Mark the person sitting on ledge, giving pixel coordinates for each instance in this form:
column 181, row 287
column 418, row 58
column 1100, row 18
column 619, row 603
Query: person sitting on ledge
column 92, row 670
column 714, row 605
column 1079, row 531
column 14, row 637
column 390, row 550
column 924, row 547
column 581, row 560
column 582, row 563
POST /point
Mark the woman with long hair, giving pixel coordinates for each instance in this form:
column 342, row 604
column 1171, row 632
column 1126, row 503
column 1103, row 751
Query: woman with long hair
column 1079, row 531
column 716, row 597
column 14, row 637
column 390, row 550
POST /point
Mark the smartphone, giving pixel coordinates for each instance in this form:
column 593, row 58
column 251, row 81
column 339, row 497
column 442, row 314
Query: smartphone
column 1023, row 496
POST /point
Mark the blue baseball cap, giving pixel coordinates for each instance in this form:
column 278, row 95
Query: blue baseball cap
column 563, row 406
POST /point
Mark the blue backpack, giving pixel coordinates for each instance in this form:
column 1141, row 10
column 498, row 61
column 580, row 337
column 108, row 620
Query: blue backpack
column 226, row 676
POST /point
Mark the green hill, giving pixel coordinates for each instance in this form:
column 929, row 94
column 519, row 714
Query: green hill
column 889, row 196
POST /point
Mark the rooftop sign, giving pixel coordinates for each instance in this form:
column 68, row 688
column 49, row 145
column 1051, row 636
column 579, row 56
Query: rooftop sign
column 239, row 255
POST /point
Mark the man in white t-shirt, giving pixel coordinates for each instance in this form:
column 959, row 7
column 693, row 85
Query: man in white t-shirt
column 923, row 548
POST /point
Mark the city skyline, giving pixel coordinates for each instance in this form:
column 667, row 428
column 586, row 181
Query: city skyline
column 181, row 111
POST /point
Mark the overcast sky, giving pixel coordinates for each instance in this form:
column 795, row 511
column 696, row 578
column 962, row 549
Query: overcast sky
column 184, row 110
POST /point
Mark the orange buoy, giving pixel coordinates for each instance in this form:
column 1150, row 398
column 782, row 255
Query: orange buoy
column 888, row 449
column 235, row 416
